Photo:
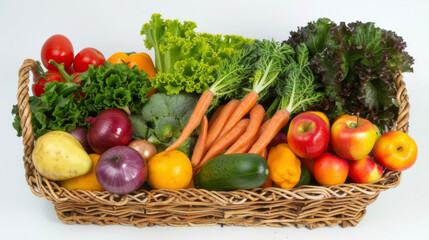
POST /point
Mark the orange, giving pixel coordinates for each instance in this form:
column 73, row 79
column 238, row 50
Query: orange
column 85, row 182
column 169, row 170
column 323, row 116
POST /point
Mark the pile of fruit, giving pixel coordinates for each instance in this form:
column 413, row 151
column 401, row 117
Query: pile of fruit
column 213, row 111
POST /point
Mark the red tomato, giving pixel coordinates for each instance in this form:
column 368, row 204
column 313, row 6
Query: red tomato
column 39, row 83
column 70, row 71
column 59, row 49
column 86, row 57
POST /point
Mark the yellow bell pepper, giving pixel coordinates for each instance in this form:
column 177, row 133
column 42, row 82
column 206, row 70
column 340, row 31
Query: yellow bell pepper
column 284, row 166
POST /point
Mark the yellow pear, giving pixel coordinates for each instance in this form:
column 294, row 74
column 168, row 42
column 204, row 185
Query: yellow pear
column 57, row 155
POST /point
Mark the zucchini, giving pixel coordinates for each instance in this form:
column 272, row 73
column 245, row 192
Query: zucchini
column 233, row 171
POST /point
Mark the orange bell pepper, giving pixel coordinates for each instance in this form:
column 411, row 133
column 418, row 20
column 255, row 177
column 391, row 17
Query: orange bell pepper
column 284, row 166
column 141, row 60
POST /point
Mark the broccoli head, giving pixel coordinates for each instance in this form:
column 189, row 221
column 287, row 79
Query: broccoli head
column 163, row 119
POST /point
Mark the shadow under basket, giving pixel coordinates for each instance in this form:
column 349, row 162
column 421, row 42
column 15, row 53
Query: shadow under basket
column 305, row 206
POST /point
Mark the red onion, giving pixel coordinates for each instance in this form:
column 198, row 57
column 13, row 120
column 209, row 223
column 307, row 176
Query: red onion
column 121, row 170
column 80, row 134
column 110, row 128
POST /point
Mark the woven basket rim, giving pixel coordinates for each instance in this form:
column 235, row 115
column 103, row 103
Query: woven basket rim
column 50, row 190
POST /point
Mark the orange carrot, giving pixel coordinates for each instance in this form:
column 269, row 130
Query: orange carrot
column 245, row 148
column 215, row 115
column 257, row 115
column 220, row 121
column 277, row 122
column 264, row 153
column 227, row 140
column 194, row 120
column 201, row 143
column 245, row 105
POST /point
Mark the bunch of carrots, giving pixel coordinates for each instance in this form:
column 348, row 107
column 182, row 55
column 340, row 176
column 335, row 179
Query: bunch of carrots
column 259, row 67
column 228, row 129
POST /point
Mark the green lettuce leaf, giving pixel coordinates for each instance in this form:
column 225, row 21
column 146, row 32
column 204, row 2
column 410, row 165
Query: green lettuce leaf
column 187, row 61
column 108, row 86
column 56, row 109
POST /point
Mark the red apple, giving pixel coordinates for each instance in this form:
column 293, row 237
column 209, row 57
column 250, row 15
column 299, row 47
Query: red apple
column 308, row 135
column 323, row 116
column 395, row 150
column 330, row 169
column 365, row 170
column 352, row 138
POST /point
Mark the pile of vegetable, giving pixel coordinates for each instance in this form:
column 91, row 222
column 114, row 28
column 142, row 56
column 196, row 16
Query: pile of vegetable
column 212, row 111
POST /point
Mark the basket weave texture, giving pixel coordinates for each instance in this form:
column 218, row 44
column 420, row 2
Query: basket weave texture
column 306, row 206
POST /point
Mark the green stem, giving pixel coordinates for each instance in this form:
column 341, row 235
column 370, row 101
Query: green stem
column 40, row 72
column 258, row 85
column 67, row 88
column 62, row 71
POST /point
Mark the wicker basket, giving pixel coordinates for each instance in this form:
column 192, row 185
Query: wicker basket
column 309, row 206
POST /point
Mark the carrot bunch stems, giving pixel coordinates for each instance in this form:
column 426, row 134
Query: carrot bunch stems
column 269, row 66
column 297, row 92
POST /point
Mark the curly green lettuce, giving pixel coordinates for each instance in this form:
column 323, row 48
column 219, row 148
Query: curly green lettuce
column 356, row 63
column 187, row 61
column 113, row 86
column 104, row 87
column 56, row 109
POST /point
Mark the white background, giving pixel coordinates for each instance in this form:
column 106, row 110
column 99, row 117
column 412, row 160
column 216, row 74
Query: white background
column 112, row 26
